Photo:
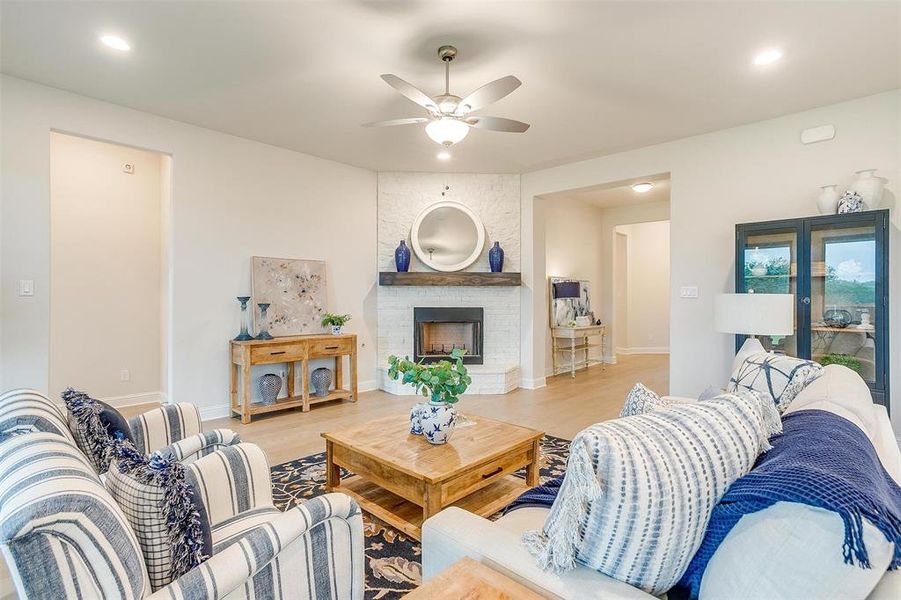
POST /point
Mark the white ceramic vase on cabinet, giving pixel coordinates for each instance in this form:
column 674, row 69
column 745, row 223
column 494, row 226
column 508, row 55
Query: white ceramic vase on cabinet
column 827, row 201
column 870, row 188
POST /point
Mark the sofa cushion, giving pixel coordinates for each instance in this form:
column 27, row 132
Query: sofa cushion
column 29, row 411
column 790, row 551
column 94, row 425
column 641, row 400
column 638, row 491
column 171, row 524
column 776, row 376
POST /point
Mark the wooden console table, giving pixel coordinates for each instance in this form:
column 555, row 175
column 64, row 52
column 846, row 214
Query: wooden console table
column 291, row 350
column 576, row 339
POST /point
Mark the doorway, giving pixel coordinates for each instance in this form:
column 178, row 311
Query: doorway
column 108, row 270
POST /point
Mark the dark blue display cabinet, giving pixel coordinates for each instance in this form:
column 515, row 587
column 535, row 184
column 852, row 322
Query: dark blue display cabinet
column 837, row 268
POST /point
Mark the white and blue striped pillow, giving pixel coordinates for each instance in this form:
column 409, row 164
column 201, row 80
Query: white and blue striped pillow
column 638, row 491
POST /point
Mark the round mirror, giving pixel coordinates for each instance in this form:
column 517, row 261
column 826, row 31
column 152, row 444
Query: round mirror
column 447, row 236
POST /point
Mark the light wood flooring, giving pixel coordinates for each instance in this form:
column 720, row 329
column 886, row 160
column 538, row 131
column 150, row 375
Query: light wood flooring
column 563, row 408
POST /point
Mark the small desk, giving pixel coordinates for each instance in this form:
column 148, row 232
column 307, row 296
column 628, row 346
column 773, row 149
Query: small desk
column 467, row 579
column 291, row 350
column 576, row 339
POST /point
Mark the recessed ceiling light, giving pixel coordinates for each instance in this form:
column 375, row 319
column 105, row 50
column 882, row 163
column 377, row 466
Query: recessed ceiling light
column 115, row 42
column 444, row 155
column 643, row 187
column 768, row 57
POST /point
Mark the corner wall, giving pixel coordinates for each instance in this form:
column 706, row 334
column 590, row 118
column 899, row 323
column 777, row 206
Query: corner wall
column 231, row 198
column 755, row 172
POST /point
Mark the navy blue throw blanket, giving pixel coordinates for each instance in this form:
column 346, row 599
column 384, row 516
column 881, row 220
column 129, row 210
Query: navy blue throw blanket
column 819, row 459
column 543, row 495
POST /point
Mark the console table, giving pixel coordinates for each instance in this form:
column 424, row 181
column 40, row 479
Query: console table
column 577, row 339
column 291, row 350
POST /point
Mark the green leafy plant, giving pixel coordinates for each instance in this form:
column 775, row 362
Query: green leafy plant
column 442, row 381
column 845, row 360
column 333, row 320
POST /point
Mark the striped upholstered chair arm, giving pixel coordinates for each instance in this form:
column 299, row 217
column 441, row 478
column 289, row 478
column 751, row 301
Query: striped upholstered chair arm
column 231, row 481
column 199, row 445
column 29, row 411
column 170, row 423
column 314, row 550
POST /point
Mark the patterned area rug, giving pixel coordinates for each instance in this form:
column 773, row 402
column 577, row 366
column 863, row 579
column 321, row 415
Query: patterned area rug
column 393, row 566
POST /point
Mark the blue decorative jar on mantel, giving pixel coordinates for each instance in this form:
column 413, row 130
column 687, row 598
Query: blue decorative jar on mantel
column 402, row 257
column 496, row 258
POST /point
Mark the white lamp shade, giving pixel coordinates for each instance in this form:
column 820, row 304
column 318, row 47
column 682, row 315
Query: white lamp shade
column 447, row 131
column 754, row 314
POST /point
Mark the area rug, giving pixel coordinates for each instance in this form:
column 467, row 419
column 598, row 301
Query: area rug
column 393, row 565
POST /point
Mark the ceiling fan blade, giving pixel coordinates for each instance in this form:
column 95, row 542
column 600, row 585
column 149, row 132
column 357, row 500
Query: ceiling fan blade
column 410, row 91
column 497, row 124
column 488, row 93
column 410, row 121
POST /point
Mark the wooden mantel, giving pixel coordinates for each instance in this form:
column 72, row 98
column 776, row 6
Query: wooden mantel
column 463, row 278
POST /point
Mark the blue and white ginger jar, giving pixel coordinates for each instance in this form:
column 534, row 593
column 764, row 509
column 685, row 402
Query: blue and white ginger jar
column 438, row 422
column 416, row 414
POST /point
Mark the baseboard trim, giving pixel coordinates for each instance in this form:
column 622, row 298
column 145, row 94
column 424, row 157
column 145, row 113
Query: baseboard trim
column 644, row 350
column 533, row 384
column 208, row 413
column 157, row 397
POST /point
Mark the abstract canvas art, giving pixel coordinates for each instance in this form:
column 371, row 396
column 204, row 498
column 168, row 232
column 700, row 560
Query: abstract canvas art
column 295, row 290
column 565, row 310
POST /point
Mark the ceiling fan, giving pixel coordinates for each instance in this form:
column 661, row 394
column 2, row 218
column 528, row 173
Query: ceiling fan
column 449, row 117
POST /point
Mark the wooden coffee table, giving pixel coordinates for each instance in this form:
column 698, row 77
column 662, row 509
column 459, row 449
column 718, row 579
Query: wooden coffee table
column 403, row 479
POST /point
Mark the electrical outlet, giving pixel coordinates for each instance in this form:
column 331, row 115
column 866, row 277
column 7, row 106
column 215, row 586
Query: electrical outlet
column 124, row 375
column 26, row 287
column 688, row 291
column 128, row 168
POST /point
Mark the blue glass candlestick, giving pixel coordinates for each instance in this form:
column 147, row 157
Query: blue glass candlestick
column 264, row 325
column 245, row 320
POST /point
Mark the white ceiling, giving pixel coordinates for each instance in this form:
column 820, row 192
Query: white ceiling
column 620, row 193
column 597, row 77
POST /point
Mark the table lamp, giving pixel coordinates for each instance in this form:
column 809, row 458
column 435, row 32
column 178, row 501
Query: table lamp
column 753, row 315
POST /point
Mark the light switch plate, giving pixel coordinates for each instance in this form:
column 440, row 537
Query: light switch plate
column 688, row 291
column 26, row 287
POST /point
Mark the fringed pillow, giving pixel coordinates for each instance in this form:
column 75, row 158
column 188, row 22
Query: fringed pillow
column 94, row 425
column 642, row 400
column 168, row 518
column 776, row 376
column 638, row 492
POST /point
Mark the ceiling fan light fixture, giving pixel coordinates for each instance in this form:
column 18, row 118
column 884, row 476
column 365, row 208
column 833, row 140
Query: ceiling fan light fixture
column 447, row 131
column 643, row 187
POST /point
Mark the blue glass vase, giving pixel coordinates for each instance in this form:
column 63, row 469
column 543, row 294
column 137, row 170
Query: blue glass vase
column 496, row 258
column 402, row 257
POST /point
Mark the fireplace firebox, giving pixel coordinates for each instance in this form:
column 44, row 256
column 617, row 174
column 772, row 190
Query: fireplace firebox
column 439, row 331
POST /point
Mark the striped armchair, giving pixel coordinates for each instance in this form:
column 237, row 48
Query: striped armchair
column 64, row 536
column 174, row 429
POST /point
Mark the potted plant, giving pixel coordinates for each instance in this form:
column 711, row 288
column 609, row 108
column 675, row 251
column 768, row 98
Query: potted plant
column 442, row 383
column 845, row 360
column 336, row 322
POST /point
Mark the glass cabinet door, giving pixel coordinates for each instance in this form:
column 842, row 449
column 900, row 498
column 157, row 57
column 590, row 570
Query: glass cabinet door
column 846, row 310
column 768, row 264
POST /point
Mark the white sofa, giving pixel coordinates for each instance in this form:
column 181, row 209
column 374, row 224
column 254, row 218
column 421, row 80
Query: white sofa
column 786, row 551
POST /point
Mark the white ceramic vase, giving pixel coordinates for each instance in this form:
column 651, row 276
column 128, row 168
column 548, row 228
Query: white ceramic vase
column 827, row 201
column 438, row 422
column 416, row 414
column 870, row 188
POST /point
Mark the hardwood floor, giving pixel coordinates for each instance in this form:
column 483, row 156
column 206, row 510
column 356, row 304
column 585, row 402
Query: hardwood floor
column 562, row 409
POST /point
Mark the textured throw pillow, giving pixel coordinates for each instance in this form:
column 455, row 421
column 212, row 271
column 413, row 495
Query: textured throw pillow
column 638, row 492
column 94, row 425
column 168, row 518
column 774, row 376
column 711, row 392
column 641, row 400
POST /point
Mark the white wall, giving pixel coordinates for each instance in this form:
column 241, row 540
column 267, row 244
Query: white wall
column 647, row 294
column 755, row 172
column 106, row 287
column 232, row 198
column 572, row 249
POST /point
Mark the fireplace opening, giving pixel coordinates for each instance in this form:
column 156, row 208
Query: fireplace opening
column 439, row 331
